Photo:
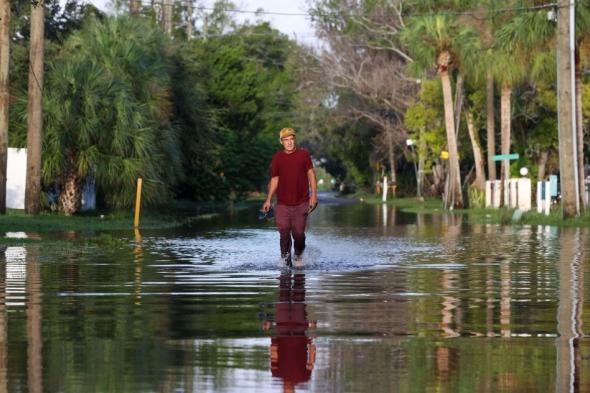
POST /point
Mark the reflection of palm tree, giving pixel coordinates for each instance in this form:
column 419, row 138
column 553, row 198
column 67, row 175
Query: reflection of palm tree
column 292, row 352
column 505, row 299
column 451, row 306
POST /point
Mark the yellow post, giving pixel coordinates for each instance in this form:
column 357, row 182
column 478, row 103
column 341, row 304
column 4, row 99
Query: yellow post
column 137, row 202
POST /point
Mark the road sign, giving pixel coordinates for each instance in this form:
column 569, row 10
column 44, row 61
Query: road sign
column 502, row 157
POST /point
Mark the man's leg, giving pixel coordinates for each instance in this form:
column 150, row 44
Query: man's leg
column 299, row 220
column 283, row 222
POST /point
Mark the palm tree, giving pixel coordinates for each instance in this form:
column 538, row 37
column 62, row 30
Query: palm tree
column 108, row 115
column 534, row 38
column 515, row 51
column 439, row 40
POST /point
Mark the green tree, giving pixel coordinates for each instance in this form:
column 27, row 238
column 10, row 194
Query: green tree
column 425, row 122
column 108, row 115
column 197, row 127
column 250, row 83
column 438, row 40
column 514, row 55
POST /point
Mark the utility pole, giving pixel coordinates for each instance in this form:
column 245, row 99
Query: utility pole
column 4, row 97
column 566, row 109
column 167, row 17
column 134, row 7
column 35, row 109
column 189, row 20
column 580, row 130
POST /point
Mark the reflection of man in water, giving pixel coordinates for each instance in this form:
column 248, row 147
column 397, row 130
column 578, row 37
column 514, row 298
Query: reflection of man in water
column 292, row 353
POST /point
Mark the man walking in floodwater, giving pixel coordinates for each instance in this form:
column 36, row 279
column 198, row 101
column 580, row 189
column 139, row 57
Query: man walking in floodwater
column 292, row 177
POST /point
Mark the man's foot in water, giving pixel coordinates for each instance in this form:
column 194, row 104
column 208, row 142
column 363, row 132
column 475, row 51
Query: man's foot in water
column 298, row 260
column 286, row 258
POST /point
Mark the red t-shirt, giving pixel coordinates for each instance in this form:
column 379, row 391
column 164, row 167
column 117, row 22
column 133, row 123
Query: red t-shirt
column 292, row 170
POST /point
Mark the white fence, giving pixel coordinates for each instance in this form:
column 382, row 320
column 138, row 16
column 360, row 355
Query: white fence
column 517, row 193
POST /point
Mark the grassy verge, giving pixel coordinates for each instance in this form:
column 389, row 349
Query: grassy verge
column 172, row 215
column 481, row 215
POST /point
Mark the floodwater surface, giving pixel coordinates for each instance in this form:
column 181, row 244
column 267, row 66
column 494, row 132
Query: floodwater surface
column 387, row 302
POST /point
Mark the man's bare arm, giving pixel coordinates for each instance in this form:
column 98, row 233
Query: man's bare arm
column 272, row 188
column 313, row 198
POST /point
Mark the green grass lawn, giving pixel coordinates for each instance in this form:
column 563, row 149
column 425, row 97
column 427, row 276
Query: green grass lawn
column 480, row 215
column 181, row 212
column 172, row 215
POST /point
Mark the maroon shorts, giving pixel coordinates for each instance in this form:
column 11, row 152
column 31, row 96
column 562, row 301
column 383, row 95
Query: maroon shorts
column 291, row 222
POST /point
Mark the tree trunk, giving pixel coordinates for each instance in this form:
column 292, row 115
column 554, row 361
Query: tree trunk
column 480, row 177
column 134, row 7
column 542, row 165
column 35, row 110
column 580, row 132
column 70, row 196
column 167, row 17
column 391, row 159
column 506, row 117
column 4, row 96
column 491, row 125
column 420, row 174
column 454, row 197
column 189, row 20
column 506, row 113
column 567, row 138
column 438, row 174
column 459, row 94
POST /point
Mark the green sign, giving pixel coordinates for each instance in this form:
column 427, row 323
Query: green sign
column 502, row 157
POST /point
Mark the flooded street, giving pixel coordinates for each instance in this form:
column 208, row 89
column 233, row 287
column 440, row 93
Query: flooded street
column 388, row 302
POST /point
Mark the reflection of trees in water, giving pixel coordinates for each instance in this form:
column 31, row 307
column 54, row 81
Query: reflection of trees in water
column 507, row 286
column 450, row 279
column 34, row 308
column 569, row 312
column 504, row 292
column 505, row 299
column 3, row 326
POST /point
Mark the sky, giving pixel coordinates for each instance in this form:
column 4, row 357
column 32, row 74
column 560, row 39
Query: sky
column 296, row 26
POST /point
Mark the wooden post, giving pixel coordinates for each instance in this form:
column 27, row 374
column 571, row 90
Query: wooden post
column 137, row 203
column 4, row 97
column 35, row 109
